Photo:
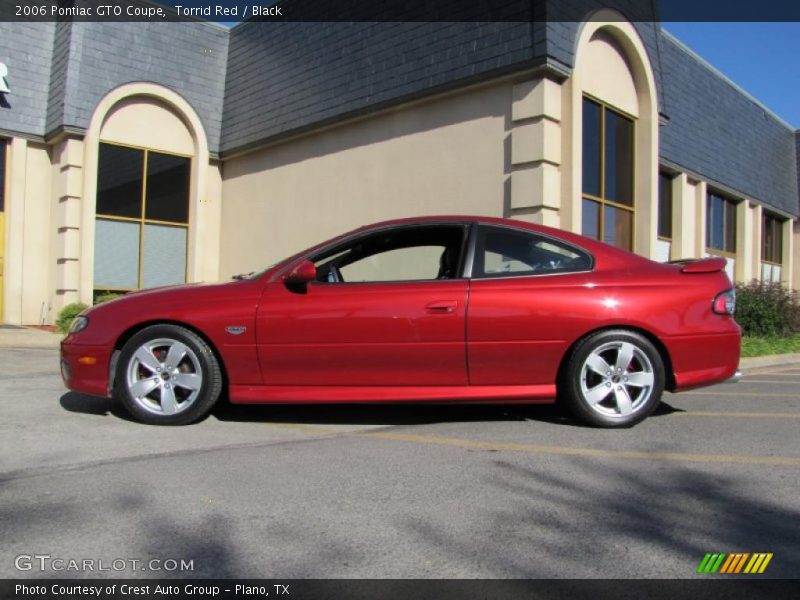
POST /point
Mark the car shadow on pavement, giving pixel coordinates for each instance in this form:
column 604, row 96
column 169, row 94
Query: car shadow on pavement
column 355, row 414
column 383, row 414
column 94, row 405
column 402, row 414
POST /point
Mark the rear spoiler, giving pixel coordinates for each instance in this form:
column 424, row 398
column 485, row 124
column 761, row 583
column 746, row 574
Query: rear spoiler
column 701, row 265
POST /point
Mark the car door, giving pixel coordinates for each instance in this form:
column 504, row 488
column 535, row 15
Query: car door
column 523, row 305
column 387, row 309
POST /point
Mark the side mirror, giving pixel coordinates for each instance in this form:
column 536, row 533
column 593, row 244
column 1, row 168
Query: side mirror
column 302, row 273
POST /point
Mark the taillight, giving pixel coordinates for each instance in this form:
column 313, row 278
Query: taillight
column 724, row 303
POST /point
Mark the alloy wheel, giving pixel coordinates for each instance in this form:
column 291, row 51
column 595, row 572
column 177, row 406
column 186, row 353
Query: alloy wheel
column 617, row 379
column 164, row 376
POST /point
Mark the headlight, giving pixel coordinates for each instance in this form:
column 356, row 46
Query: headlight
column 78, row 324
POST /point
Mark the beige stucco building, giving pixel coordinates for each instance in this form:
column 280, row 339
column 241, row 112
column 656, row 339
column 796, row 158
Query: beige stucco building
column 155, row 175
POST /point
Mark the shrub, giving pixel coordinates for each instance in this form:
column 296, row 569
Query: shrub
column 106, row 296
column 767, row 309
column 67, row 315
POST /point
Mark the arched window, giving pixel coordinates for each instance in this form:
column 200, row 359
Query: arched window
column 608, row 151
column 142, row 211
column 142, row 216
column 613, row 177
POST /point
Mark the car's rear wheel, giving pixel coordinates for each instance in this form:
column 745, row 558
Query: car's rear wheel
column 613, row 378
column 167, row 375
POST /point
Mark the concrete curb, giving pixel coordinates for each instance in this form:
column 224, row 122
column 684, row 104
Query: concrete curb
column 27, row 337
column 772, row 360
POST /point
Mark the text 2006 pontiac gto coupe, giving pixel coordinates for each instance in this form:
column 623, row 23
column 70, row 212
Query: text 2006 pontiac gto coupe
column 438, row 309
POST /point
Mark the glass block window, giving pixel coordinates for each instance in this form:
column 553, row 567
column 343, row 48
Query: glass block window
column 608, row 151
column 116, row 262
column 142, row 218
column 163, row 255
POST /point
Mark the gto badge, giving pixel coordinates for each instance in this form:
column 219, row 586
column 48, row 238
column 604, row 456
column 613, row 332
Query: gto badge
column 236, row 329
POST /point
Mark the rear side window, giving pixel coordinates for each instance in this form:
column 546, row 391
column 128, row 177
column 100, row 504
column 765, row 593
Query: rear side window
column 504, row 252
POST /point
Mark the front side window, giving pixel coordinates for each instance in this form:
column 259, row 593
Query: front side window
column 141, row 230
column 720, row 224
column 503, row 252
column 608, row 150
column 402, row 254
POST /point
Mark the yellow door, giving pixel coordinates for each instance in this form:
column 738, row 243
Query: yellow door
column 2, row 258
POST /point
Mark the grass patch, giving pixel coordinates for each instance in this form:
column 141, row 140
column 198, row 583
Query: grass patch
column 762, row 346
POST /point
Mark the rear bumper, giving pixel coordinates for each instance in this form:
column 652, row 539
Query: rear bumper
column 735, row 379
column 700, row 360
column 84, row 368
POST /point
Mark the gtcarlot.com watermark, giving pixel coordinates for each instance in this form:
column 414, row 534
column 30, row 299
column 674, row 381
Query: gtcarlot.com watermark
column 47, row 562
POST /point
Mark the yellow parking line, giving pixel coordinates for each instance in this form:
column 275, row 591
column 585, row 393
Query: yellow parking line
column 775, row 377
column 750, row 394
column 738, row 415
column 788, row 373
column 303, row 428
column 770, row 381
column 586, row 452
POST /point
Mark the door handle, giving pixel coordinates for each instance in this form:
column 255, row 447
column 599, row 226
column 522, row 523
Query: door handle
column 444, row 306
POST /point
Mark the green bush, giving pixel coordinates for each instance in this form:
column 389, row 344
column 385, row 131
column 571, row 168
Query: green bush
column 106, row 296
column 67, row 315
column 767, row 309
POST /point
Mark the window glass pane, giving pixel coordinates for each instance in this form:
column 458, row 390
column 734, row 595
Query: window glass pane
column 505, row 252
column 167, row 188
column 772, row 239
column 715, row 222
column 402, row 254
column 119, row 181
column 720, row 223
column 619, row 158
column 116, row 254
column 730, row 225
column 164, row 259
column 766, row 238
column 591, row 148
column 618, row 227
column 665, row 205
column 591, row 219
column 2, row 175
column 401, row 264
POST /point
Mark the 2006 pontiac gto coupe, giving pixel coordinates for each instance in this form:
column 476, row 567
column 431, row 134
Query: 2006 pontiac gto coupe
column 437, row 309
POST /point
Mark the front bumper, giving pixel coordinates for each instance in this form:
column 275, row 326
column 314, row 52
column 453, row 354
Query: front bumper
column 84, row 368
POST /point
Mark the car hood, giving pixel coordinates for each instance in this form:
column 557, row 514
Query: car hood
column 184, row 293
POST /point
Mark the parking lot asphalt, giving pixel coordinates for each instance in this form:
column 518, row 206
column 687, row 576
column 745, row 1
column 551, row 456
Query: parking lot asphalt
column 398, row 491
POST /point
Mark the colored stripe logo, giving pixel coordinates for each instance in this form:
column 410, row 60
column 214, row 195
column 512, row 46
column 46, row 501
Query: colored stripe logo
column 734, row 563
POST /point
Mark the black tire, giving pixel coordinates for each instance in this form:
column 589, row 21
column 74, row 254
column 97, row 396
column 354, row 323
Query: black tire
column 157, row 392
column 599, row 394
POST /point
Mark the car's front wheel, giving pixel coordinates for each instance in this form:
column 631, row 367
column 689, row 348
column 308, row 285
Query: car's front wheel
column 613, row 378
column 167, row 375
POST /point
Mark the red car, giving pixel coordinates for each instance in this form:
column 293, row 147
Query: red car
column 438, row 309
